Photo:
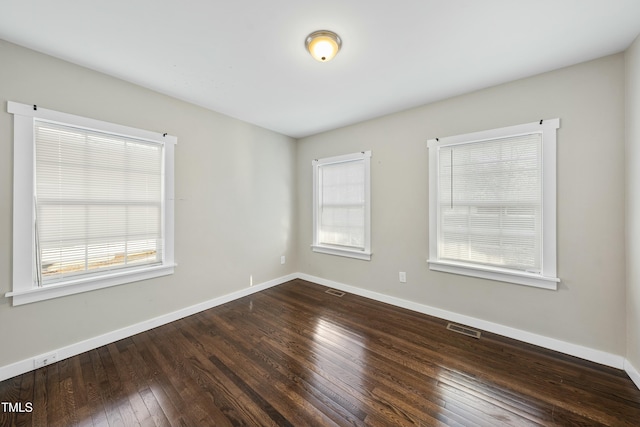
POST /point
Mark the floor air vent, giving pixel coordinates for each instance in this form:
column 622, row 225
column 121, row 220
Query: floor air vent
column 463, row 330
column 334, row 293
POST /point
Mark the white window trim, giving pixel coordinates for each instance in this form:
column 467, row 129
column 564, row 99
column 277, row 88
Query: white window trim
column 366, row 253
column 24, row 288
column 548, row 276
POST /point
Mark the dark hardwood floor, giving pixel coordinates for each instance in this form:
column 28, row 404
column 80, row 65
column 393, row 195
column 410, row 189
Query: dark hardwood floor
column 294, row 355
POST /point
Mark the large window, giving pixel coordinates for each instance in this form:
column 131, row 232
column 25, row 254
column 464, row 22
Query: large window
column 492, row 204
column 341, row 205
column 93, row 204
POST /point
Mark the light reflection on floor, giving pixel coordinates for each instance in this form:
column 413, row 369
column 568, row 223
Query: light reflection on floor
column 335, row 338
column 461, row 392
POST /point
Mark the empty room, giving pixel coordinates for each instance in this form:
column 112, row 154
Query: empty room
column 338, row 213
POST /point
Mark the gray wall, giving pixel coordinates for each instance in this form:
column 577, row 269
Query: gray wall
column 588, row 308
column 632, row 57
column 235, row 211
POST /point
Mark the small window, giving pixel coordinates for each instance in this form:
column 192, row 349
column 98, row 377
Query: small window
column 492, row 204
column 341, row 205
column 93, row 199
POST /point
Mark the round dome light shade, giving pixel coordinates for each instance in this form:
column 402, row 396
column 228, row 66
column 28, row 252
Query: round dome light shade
column 323, row 45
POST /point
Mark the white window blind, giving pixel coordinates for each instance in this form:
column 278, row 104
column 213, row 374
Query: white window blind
column 99, row 202
column 342, row 204
column 490, row 202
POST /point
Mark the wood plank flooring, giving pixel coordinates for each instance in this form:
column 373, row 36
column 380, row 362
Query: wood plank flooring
column 294, row 355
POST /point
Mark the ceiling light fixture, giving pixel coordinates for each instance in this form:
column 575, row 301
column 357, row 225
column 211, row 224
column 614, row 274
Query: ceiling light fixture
column 323, row 45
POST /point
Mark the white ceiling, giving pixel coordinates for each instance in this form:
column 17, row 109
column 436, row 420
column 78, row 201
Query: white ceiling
column 246, row 58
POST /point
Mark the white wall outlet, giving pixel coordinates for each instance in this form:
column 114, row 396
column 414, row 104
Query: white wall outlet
column 282, row 259
column 44, row 360
column 403, row 277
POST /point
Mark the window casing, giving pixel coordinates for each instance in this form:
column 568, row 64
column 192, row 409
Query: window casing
column 492, row 204
column 93, row 204
column 342, row 205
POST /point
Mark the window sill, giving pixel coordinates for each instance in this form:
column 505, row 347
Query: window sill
column 77, row 286
column 502, row 275
column 350, row 253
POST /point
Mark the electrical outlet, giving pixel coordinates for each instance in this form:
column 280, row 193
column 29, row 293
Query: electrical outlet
column 44, row 360
column 403, row 277
column 282, row 259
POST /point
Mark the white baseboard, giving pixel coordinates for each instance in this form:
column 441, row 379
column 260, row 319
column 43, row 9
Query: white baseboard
column 582, row 352
column 26, row 365
column 633, row 373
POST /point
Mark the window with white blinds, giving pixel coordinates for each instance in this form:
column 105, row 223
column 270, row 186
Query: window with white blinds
column 98, row 201
column 93, row 204
column 341, row 205
column 493, row 195
column 490, row 202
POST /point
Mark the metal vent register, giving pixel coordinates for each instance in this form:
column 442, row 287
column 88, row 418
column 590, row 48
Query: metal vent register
column 334, row 292
column 463, row 330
